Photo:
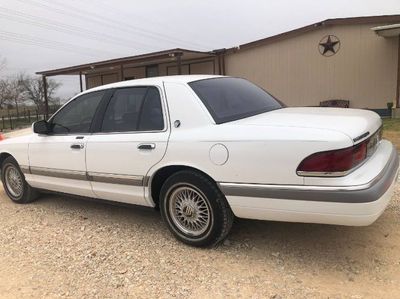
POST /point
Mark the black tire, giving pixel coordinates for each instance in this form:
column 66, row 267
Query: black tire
column 213, row 202
column 27, row 194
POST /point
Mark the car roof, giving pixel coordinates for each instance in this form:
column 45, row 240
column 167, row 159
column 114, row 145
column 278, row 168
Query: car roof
column 155, row 81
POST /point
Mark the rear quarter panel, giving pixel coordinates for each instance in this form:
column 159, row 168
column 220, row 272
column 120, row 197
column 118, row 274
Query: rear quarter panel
column 256, row 154
column 265, row 155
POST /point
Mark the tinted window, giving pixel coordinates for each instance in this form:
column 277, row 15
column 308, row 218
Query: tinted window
column 229, row 99
column 77, row 116
column 132, row 109
column 151, row 118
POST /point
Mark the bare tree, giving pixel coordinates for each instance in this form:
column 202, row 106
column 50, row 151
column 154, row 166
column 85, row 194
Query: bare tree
column 3, row 93
column 11, row 93
column 34, row 91
column 3, row 84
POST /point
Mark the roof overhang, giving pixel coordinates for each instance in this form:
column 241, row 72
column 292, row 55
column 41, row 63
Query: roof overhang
column 166, row 56
column 373, row 20
column 392, row 30
column 170, row 55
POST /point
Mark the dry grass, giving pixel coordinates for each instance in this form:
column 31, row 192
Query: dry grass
column 394, row 137
column 391, row 131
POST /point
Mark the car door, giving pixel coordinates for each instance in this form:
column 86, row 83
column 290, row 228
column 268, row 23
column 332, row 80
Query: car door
column 57, row 160
column 131, row 138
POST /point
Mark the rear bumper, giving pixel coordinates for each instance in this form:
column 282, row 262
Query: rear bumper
column 345, row 205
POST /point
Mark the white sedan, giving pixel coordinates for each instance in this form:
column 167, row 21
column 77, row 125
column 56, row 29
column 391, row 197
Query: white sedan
column 204, row 149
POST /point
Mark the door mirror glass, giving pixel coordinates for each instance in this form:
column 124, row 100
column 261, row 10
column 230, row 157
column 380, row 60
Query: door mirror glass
column 40, row 127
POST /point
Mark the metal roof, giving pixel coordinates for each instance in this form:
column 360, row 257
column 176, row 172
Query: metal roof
column 315, row 26
column 169, row 55
column 142, row 59
column 388, row 30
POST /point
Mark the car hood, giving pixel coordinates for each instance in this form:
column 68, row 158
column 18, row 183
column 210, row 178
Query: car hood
column 10, row 139
column 352, row 122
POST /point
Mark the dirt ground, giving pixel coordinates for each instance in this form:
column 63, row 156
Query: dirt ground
column 71, row 248
column 67, row 247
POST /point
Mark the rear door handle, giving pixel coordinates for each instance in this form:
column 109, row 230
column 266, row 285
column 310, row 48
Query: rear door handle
column 146, row 146
column 77, row 146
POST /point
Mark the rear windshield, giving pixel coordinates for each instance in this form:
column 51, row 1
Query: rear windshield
column 229, row 99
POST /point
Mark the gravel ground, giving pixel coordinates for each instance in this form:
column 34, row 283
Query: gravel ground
column 66, row 247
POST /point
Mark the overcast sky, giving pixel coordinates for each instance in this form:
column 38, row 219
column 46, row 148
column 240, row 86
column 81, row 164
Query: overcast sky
column 39, row 35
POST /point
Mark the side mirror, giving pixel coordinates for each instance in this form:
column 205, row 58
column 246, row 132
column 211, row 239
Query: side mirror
column 41, row 127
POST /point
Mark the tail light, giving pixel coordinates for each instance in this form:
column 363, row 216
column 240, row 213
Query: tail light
column 338, row 162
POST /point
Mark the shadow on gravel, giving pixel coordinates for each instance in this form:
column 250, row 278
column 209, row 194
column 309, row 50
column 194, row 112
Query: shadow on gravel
column 298, row 243
column 319, row 246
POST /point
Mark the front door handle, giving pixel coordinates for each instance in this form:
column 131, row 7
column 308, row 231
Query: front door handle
column 146, row 146
column 77, row 146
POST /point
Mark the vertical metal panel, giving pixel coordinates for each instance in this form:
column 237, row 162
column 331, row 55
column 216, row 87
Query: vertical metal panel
column 121, row 73
column 93, row 81
column 46, row 100
column 364, row 71
column 109, row 78
column 80, row 81
column 173, row 70
column 398, row 74
column 179, row 63
column 135, row 72
column 202, row 68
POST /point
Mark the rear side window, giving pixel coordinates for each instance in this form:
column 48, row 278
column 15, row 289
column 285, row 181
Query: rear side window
column 134, row 109
column 229, row 99
column 151, row 117
column 77, row 116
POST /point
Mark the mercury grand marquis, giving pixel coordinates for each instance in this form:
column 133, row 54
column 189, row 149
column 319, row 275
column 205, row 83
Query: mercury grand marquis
column 204, row 149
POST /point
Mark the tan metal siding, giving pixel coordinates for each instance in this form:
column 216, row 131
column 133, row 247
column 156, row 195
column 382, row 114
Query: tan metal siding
column 202, row 68
column 173, row 70
column 110, row 78
column 136, row 72
column 364, row 70
column 93, row 81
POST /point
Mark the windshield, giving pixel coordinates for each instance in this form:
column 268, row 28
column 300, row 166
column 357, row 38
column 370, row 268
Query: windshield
column 228, row 99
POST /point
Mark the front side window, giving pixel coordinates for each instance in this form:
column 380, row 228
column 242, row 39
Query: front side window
column 76, row 116
column 229, row 99
column 134, row 109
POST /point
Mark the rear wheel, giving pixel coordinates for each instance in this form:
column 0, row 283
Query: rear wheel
column 14, row 183
column 194, row 209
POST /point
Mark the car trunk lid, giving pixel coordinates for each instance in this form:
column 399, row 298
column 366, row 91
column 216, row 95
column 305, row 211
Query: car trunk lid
column 358, row 124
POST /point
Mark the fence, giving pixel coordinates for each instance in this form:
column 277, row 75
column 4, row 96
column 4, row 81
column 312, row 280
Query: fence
column 15, row 120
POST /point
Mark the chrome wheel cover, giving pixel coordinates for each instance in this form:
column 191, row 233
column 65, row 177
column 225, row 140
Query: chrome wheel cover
column 189, row 210
column 14, row 181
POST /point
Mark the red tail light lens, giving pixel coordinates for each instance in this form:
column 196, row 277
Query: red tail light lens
column 333, row 163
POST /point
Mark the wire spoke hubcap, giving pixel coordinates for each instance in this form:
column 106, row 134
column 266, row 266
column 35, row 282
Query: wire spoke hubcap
column 14, row 181
column 189, row 210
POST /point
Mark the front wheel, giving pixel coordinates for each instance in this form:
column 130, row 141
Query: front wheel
column 194, row 209
column 14, row 183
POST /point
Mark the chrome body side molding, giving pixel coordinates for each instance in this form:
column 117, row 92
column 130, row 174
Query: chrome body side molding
column 134, row 180
column 110, row 178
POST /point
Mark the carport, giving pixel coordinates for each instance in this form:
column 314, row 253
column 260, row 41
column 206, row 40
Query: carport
column 163, row 63
column 392, row 31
